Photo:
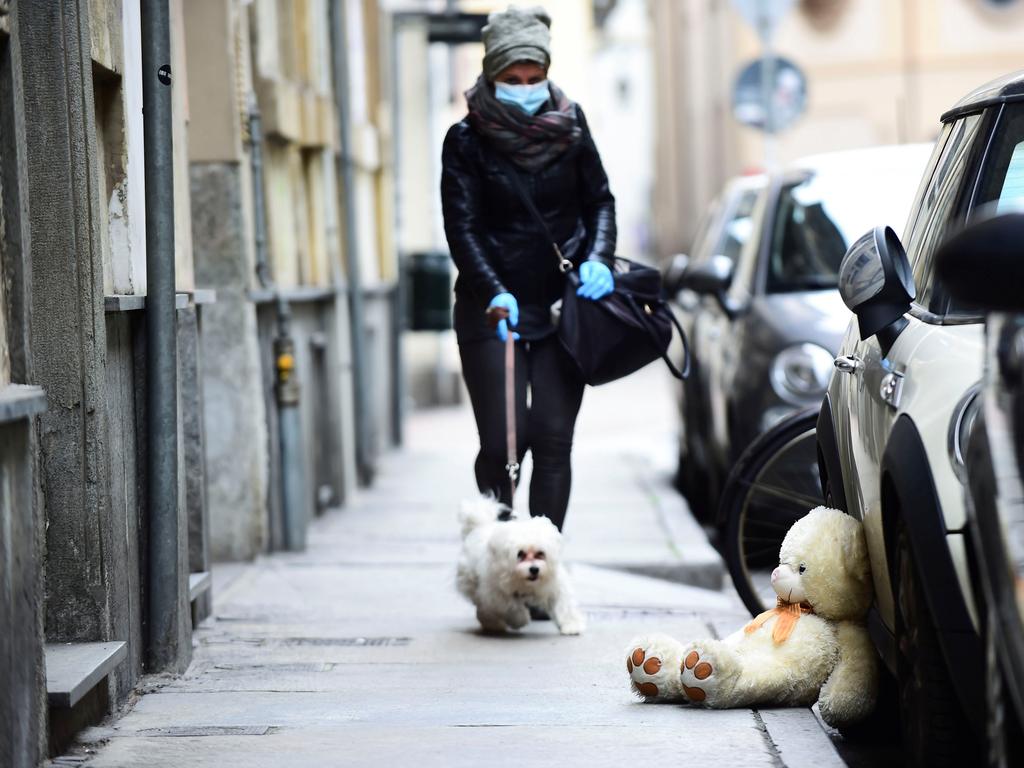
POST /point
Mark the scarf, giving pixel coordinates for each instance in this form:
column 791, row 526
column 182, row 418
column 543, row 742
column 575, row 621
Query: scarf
column 530, row 141
column 789, row 614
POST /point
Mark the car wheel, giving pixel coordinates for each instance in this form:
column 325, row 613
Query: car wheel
column 935, row 730
column 774, row 484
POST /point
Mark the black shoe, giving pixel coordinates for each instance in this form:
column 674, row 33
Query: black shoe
column 539, row 614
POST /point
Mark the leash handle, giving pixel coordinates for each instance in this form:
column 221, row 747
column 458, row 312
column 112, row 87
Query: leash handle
column 510, row 412
column 494, row 315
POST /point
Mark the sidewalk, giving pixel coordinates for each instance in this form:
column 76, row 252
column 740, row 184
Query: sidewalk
column 359, row 652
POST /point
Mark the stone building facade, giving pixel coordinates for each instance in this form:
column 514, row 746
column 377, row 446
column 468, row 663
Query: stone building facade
column 74, row 533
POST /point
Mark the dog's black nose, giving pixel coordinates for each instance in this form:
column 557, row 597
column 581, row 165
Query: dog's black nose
column 534, row 570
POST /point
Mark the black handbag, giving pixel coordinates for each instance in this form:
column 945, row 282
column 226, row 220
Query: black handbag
column 620, row 333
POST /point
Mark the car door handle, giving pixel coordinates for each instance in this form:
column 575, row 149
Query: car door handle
column 848, row 364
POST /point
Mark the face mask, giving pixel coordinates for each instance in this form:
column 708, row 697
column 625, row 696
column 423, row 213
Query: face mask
column 528, row 98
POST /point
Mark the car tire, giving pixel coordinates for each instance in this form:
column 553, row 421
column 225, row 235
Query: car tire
column 741, row 479
column 935, row 730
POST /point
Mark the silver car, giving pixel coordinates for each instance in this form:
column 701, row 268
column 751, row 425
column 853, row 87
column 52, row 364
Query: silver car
column 769, row 322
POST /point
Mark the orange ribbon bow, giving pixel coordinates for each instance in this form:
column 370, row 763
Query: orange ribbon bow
column 789, row 614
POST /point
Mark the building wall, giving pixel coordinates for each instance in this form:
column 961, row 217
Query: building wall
column 219, row 85
column 72, row 170
column 278, row 55
column 878, row 72
column 73, row 485
column 23, row 692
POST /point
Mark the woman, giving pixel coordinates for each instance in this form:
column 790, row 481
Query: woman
column 520, row 123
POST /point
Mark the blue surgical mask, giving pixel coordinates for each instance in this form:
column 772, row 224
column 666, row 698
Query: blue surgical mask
column 528, row 98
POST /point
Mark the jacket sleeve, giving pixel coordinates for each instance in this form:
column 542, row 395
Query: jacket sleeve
column 596, row 196
column 463, row 225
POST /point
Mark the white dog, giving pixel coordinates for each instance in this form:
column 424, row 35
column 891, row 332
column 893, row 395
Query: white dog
column 509, row 565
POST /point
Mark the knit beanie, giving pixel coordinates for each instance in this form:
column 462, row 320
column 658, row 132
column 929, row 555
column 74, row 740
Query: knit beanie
column 518, row 34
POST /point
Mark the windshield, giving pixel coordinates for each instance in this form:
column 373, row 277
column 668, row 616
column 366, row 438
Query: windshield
column 818, row 218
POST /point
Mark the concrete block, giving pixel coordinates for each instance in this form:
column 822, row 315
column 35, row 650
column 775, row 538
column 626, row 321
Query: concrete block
column 74, row 668
column 22, row 692
column 234, row 412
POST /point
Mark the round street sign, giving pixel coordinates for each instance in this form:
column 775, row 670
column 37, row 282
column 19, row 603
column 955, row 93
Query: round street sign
column 787, row 94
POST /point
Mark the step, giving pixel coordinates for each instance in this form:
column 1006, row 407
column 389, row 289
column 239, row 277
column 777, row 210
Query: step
column 73, row 669
column 198, row 584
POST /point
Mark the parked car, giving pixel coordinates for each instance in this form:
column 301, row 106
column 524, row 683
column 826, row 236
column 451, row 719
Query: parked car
column 983, row 267
column 897, row 417
column 722, row 233
column 768, row 322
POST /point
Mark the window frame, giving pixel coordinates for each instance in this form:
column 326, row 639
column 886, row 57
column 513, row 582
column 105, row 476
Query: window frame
column 937, row 310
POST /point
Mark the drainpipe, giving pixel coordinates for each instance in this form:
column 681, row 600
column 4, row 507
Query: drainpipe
column 286, row 384
column 161, row 341
column 365, row 466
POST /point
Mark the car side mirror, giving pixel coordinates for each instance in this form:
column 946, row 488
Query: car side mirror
column 674, row 274
column 712, row 278
column 709, row 277
column 982, row 264
column 877, row 285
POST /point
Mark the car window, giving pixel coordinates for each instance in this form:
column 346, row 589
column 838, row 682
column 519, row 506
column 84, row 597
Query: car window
column 737, row 229
column 1011, row 195
column 818, row 218
column 938, row 205
column 1001, row 184
column 1002, row 178
column 925, row 185
column 702, row 241
column 742, row 286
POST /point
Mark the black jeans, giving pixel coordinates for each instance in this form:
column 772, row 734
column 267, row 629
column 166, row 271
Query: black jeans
column 544, row 426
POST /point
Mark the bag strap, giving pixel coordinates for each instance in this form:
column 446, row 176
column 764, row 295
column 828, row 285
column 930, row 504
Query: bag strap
column 641, row 318
column 564, row 265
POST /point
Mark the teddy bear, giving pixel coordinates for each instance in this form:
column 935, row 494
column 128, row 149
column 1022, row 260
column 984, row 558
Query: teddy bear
column 813, row 646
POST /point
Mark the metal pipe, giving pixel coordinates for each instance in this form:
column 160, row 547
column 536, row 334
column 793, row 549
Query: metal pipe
column 365, row 465
column 286, row 384
column 165, row 584
column 259, row 211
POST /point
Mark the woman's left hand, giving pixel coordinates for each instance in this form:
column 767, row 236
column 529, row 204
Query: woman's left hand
column 596, row 280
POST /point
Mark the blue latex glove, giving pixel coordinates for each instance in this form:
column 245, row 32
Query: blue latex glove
column 596, row 280
column 506, row 301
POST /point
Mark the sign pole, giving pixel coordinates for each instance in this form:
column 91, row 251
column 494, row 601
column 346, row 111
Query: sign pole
column 765, row 27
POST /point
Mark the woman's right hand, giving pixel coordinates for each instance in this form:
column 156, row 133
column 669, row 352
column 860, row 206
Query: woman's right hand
column 507, row 302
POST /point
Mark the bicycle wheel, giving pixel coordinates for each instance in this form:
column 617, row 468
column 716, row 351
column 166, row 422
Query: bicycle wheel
column 774, row 483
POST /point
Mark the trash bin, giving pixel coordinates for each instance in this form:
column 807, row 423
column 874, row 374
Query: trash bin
column 429, row 296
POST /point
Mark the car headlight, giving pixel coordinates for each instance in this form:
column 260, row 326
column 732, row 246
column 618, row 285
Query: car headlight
column 965, row 416
column 800, row 374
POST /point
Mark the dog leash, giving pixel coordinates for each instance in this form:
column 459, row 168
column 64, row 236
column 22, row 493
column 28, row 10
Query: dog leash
column 495, row 314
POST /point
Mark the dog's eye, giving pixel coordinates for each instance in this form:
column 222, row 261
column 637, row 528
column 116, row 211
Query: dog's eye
column 521, row 555
column 539, row 556
column 803, row 567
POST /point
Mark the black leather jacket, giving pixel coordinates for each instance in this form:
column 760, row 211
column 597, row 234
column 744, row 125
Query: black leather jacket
column 499, row 247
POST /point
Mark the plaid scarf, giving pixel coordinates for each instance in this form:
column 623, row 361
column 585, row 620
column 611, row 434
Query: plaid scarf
column 530, row 141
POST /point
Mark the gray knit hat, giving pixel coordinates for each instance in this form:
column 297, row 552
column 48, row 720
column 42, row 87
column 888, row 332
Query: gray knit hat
column 518, row 34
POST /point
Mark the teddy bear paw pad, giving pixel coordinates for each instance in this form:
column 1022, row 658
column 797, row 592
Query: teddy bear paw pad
column 644, row 670
column 697, row 676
